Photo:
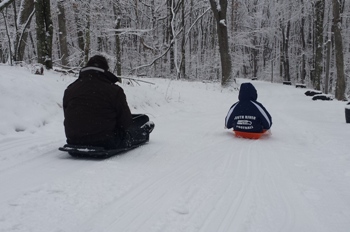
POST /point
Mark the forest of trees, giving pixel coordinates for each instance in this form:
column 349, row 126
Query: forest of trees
column 306, row 42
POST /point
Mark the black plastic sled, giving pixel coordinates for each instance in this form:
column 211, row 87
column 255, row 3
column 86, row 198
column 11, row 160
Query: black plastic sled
column 78, row 151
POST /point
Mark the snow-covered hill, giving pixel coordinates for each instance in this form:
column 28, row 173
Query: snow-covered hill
column 192, row 176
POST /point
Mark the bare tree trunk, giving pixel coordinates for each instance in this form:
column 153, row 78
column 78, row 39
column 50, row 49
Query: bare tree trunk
column 183, row 43
column 281, row 51
column 87, row 35
column 80, row 30
column 118, row 65
column 254, row 54
column 174, row 50
column 24, row 18
column 190, row 45
column 2, row 58
column 170, row 35
column 233, row 15
column 44, row 32
column 15, row 15
column 62, row 35
column 303, row 44
column 328, row 61
column 286, row 54
column 219, row 9
column 339, row 57
column 8, row 37
column 284, row 49
column 319, row 9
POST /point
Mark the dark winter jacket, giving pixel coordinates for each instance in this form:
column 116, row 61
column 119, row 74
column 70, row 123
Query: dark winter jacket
column 95, row 109
column 248, row 115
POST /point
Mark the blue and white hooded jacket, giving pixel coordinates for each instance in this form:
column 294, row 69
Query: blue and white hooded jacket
column 247, row 114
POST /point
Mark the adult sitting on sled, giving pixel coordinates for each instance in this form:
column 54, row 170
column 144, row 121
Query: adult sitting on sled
column 96, row 111
column 248, row 117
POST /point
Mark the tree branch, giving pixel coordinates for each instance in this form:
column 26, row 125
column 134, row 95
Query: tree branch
column 23, row 30
column 5, row 3
column 150, row 64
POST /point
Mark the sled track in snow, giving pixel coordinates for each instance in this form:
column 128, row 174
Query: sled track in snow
column 149, row 190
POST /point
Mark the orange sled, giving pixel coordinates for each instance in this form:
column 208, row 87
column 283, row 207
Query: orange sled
column 249, row 135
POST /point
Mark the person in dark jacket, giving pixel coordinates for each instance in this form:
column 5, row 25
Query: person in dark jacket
column 96, row 112
column 248, row 115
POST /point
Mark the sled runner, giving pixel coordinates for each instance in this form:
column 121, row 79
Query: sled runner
column 249, row 135
column 94, row 152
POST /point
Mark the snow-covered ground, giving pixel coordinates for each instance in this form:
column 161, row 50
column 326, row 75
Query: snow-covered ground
column 192, row 176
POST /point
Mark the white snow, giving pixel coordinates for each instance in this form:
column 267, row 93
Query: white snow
column 223, row 22
column 192, row 176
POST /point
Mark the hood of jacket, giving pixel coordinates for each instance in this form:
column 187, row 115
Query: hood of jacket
column 106, row 74
column 247, row 92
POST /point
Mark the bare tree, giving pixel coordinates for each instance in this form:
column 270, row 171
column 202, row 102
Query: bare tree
column 24, row 19
column 219, row 9
column 44, row 31
column 87, row 38
column 77, row 6
column 183, row 42
column 319, row 9
column 339, row 57
column 118, row 54
column 8, row 36
column 303, row 45
column 62, row 34
column 169, row 33
column 285, row 51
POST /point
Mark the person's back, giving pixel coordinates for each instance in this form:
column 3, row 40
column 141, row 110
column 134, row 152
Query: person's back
column 96, row 111
column 248, row 115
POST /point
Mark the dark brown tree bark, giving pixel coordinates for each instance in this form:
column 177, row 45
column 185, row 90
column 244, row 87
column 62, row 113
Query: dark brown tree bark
column 118, row 51
column 219, row 9
column 80, row 31
column 87, row 36
column 319, row 9
column 62, row 35
column 24, row 18
column 44, row 31
column 8, row 36
column 170, row 36
column 183, row 44
column 286, row 53
column 303, row 45
column 339, row 57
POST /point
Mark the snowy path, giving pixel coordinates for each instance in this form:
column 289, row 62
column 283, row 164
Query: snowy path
column 192, row 176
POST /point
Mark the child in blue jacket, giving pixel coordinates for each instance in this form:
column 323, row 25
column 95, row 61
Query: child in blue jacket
column 248, row 116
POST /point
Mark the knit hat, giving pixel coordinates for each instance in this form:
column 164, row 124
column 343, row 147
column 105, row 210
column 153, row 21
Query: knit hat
column 99, row 62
